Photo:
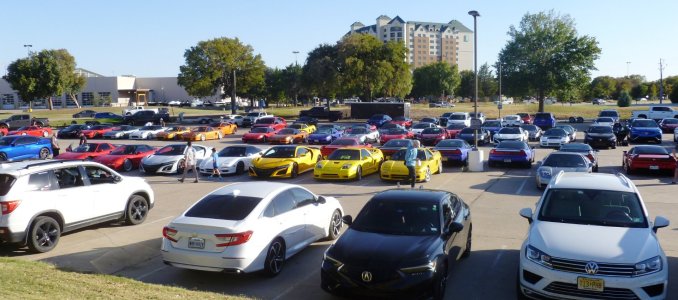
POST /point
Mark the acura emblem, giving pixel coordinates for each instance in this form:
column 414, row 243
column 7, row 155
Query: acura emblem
column 367, row 276
column 591, row 268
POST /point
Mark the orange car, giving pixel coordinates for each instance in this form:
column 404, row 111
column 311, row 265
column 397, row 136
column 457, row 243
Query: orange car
column 32, row 131
column 173, row 133
column 225, row 128
column 202, row 133
column 289, row 136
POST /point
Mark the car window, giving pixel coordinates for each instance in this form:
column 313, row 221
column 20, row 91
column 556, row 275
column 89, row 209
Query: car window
column 25, row 140
column 224, row 207
column 399, row 218
column 302, row 197
column 68, row 177
column 6, row 182
column 302, row 151
column 284, row 202
column 365, row 153
column 41, row 181
column 98, row 175
column 448, row 213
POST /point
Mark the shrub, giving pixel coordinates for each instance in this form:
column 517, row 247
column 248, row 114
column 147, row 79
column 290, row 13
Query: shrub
column 624, row 99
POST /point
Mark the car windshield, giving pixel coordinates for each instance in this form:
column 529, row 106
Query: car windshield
column 400, row 155
column 87, row 147
column 358, row 130
column 446, row 115
column 324, row 130
column 529, row 127
column 542, row 116
column 280, row 152
column 514, row 145
column 457, row 117
column 467, row 130
column 259, row 130
column 492, row 124
column 223, row 207
column 233, row 151
column 564, row 161
column 576, row 147
column 345, row 154
column 397, row 143
column 421, row 125
column 592, row 207
column 512, row 118
column 432, row 131
column 399, row 218
column 287, row 131
column 609, row 113
column 345, row 142
column 397, row 131
column 265, row 121
column 670, row 121
column 605, row 120
column 650, row 150
column 450, row 144
column 171, row 150
column 253, row 114
column 600, row 129
column 567, row 128
column 644, row 123
column 124, row 150
column 555, row 132
column 456, row 126
column 509, row 130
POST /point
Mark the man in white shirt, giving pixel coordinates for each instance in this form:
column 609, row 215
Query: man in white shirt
column 189, row 162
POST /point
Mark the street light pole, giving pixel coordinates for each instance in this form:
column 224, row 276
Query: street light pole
column 233, row 94
column 661, row 81
column 296, row 62
column 475, row 14
column 29, row 49
column 501, row 99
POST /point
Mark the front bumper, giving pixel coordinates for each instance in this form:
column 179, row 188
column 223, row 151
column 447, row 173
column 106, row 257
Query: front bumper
column 601, row 142
column 166, row 168
column 340, row 174
column 222, row 169
column 551, row 143
column 276, row 172
column 397, row 176
column 642, row 136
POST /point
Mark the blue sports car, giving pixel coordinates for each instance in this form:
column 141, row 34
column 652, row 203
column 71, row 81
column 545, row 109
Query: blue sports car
column 454, row 150
column 645, row 129
column 19, row 147
column 378, row 120
column 492, row 126
column 512, row 152
column 324, row 135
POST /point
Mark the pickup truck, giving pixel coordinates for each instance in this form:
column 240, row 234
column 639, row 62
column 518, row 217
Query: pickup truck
column 655, row 113
column 253, row 116
column 16, row 121
column 322, row 112
column 131, row 111
column 142, row 117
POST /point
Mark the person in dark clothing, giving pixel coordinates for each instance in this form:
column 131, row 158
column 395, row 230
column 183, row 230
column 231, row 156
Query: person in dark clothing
column 83, row 138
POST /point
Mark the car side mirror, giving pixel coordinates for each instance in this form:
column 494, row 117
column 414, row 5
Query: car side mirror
column 527, row 214
column 347, row 219
column 321, row 200
column 455, row 227
column 117, row 179
column 659, row 222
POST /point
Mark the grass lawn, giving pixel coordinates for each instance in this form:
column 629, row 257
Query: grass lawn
column 36, row 280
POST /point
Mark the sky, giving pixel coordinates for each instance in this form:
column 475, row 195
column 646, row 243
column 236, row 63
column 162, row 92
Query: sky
column 148, row 38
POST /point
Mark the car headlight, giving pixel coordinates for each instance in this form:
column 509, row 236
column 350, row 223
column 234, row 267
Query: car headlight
column 261, row 136
column 546, row 173
column 648, row 266
column 327, row 138
column 319, row 165
column 538, row 256
column 346, row 166
column 429, row 267
column 336, row 263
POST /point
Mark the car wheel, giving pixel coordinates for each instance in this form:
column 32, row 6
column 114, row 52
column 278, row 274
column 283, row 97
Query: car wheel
column 44, row 234
column 595, row 168
column 335, row 226
column 127, row 165
column 3, row 157
column 264, row 140
column 203, row 121
column 440, row 284
column 440, row 167
column 44, row 153
column 275, row 259
column 359, row 174
column 490, row 163
column 181, row 166
column 295, row 170
column 427, row 176
column 240, row 168
column 137, row 210
column 627, row 169
column 469, row 240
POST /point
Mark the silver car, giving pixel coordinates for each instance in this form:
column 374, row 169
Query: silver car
column 561, row 161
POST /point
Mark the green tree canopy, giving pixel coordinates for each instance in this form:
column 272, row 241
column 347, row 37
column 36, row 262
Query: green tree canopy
column 603, row 87
column 320, row 74
column 466, row 84
column 546, row 54
column 435, row 80
column 487, row 83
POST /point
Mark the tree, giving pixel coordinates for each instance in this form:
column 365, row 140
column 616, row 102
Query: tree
column 624, row 99
column 42, row 75
column 674, row 95
column 487, row 83
column 546, row 54
column 210, row 67
column 320, row 74
column 435, row 80
column 466, row 84
column 639, row 91
column 603, row 87
column 291, row 79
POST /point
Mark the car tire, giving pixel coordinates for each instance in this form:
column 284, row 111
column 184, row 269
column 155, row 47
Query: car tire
column 469, row 242
column 295, row 170
column 440, row 167
column 441, row 283
column 336, row 224
column 44, row 234
column 44, row 153
column 275, row 258
column 490, row 164
column 264, row 140
column 240, row 168
column 359, row 174
column 627, row 169
column 427, row 175
column 3, row 157
column 595, row 168
column 181, row 166
column 127, row 165
column 137, row 210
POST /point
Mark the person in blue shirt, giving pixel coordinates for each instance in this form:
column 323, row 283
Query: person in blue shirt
column 215, row 166
column 411, row 161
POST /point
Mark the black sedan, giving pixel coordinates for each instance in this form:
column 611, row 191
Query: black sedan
column 601, row 136
column 399, row 246
column 72, row 131
column 467, row 134
column 85, row 114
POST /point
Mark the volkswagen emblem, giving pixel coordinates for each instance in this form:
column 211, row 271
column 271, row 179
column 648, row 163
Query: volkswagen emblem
column 591, row 268
column 367, row 276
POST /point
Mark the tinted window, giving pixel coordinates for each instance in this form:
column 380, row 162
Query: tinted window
column 302, row 197
column 492, row 124
column 397, row 131
column 279, row 152
column 302, row 152
column 576, row 146
column 557, row 132
column 68, row 177
column 344, row 154
column 345, row 142
column 365, row 153
column 457, row 117
column 171, row 150
column 564, row 161
column 456, row 126
column 260, row 130
column 529, row 127
column 542, row 116
column 432, row 131
column 98, row 175
column 399, row 218
column 511, row 145
column 644, row 123
column 451, row 143
column 397, row 143
column 600, row 129
column 224, row 207
column 284, row 202
column 510, row 130
column 650, row 150
column 608, row 113
column 25, row 140
column 670, row 121
column 40, row 182
column 467, row 131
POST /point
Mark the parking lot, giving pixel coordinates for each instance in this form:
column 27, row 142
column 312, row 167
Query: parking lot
column 495, row 197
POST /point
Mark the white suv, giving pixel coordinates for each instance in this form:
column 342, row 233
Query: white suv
column 459, row 118
column 590, row 238
column 42, row 200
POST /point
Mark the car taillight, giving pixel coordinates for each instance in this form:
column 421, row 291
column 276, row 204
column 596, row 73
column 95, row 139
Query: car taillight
column 522, row 152
column 456, row 151
column 232, row 239
column 590, row 156
column 9, row 206
column 169, row 233
column 493, row 151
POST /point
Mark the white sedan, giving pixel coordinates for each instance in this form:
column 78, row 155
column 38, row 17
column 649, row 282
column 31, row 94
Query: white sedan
column 419, row 127
column 250, row 226
column 168, row 159
column 364, row 135
column 120, row 132
column 512, row 120
column 232, row 160
column 236, row 119
column 511, row 134
column 146, row 132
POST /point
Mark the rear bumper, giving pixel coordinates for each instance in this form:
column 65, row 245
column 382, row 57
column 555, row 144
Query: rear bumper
column 7, row 236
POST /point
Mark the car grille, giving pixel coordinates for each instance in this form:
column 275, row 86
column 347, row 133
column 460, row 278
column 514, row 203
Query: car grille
column 577, row 266
column 327, row 175
column 379, row 276
column 266, row 172
column 569, row 289
column 153, row 168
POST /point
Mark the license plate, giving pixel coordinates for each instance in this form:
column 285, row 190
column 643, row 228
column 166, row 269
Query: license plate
column 507, row 160
column 590, row 284
column 654, row 167
column 196, row 243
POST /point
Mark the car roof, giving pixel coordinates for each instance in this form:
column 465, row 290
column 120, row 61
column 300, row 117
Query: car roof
column 21, row 168
column 411, row 195
column 254, row 189
column 592, row 181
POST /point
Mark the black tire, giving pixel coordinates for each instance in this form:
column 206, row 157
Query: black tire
column 427, row 176
column 203, row 121
column 469, row 242
column 275, row 258
column 181, row 166
column 572, row 119
column 3, row 157
column 127, row 165
column 595, row 168
column 335, row 226
column 490, row 163
column 137, row 210
column 240, row 168
column 440, row 284
column 627, row 169
column 295, row 171
column 264, row 140
column 44, row 234
column 359, row 174
column 44, row 153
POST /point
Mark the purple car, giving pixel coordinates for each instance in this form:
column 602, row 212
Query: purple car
column 511, row 152
column 454, row 150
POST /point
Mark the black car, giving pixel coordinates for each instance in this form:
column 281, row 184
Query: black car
column 601, row 136
column 85, row 114
column 399, row 246
column 307, row 120
column 72, row 131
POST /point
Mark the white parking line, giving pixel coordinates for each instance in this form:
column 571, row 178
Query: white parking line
column 291, row 288
column 498, row 257
column 150, row 273
column 522, row 185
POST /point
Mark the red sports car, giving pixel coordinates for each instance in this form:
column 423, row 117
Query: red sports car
column 126, row 157
column 32, row 131
column 396, row 133
column 258, row 135
column 431, row 136
column 3, row 131
column 97, row 131
column 454, row 129
column 342, row 143
column 87, row 150
column 668, row 125
column 527, row 119
column 276, row 123
column 648, row 157
column 402, row 121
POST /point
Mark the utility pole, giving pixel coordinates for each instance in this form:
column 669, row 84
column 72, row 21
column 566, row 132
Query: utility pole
column 627, row 68
column 233, row 94
column 661, row 81
column 501, row 99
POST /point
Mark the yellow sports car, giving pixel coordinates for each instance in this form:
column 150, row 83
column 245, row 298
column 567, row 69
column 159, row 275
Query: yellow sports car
column 285, row 161
column 349, row 163
column 202, row 133
column 303, row 127
column 395, row 169
column 225, row 128
column 173, row 133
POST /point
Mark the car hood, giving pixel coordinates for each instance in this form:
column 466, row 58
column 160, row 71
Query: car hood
column 367, row 249
column 319, row 135
column 555, row 170
column 597, row 243
column 160, row 159
column 336, row 165
column 272, row 162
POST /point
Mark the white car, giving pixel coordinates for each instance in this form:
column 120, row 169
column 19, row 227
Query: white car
column 248, row 227
column 236, row 119
column 41, row 200
column 512, row 120
column 511, row 134
column 120, row 132
column 169, row 159
column 146, row 132
column 232, row 160
column 590, row 237
column 363, row 134
column 459, row 118
column 608, row 121
column 554, row 137
column 419, row 127
column 174, row 103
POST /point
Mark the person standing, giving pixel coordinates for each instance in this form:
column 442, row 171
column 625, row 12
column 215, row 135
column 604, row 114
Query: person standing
column 189, row 162
column 411, row 161
column 215, row 165
column 83, row 138
column 55, row 145
column 162, row 122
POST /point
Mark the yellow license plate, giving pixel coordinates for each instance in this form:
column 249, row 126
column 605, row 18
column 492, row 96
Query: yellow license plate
column 590, row 284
